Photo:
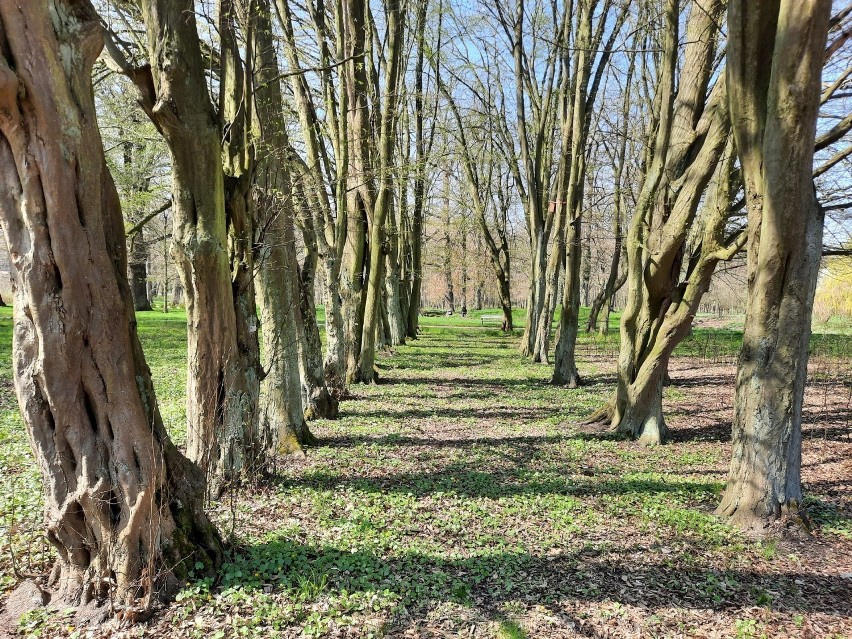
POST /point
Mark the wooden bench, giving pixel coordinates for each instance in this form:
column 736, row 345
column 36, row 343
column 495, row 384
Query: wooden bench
column 491, row 319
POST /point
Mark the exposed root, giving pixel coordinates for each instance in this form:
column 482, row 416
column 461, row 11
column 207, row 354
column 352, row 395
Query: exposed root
column 601, row 417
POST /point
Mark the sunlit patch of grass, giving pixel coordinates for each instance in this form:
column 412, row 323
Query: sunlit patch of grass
column 460, row 486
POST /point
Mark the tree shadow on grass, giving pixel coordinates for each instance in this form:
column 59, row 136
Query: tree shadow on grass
column 508, row 413
column 394, row 440
column 460, row 479
column 485, row 581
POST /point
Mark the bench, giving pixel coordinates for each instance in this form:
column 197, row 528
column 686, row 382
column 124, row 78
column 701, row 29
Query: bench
column 491, row 319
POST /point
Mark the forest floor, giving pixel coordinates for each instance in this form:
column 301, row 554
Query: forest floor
column 459, row 497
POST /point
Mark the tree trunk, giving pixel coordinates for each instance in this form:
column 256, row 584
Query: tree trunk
column 139, row 272
column 508, row 324
column 643, row 410
column 122, row 506
column 396, row 319
column 361, row 188
column 537, row 293
column 422, row 150
column 319, row 403
column 776, row 54
column 222, row 378
column 609, row 288
column 283, row 425
column 587, row 271
column 385, row 144
column 690, row 137
column 564, row 360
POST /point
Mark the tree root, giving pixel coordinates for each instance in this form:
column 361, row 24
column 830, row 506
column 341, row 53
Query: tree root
column 601, row 417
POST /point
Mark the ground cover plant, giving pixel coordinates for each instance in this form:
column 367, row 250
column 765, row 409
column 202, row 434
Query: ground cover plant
column 462, row 497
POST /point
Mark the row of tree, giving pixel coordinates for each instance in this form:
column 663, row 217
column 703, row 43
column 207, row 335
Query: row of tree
column 303, row 141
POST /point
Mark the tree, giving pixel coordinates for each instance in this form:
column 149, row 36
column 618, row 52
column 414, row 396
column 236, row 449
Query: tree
column 535, row 71
column 423, row 151
column 570, row 183
column 378, row 213
column 481, row 160
column 282, row 417
column 123, row 506
column 315, row 222
column 689, row 137
column 775, row 57
column 212, row 227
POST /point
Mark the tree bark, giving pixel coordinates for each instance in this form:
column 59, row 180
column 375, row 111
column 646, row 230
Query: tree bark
column 395, row 17
column 423, row 150
column 318, row 226
column 393, row 294
column 318, row 402
column 283, row 424
column 776, row 54
column 690, row 136
column 222, row 377
column 122, row 506
column 139, row 272
column 360, row 183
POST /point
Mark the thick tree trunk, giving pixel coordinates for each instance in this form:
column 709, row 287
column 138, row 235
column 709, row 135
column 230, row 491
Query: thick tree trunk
column 395, row 317
column 642, row 415
column 776, row 54
column 319, row 403
column 122, row 506
column 222, row 377
column 564, row 360
column 361, row 187
column 537, row 293
column 335, row 352
column 555, row 266
column 423, row 150
column 282, row 416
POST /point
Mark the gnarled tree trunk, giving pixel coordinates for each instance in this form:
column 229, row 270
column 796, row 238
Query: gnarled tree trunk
column 122, row 506
column 222, row 371
column 690, row 137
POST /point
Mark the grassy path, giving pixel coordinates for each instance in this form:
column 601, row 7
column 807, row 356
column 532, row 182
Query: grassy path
column 459, row 498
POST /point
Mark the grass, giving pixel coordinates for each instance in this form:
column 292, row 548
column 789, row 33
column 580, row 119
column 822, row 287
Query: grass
column 460, row 497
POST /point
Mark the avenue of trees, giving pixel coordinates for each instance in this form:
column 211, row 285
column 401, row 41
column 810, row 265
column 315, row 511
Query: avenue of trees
column 251, row 160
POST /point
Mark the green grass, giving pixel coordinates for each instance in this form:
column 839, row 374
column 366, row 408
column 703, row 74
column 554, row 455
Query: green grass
column 460, row 493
